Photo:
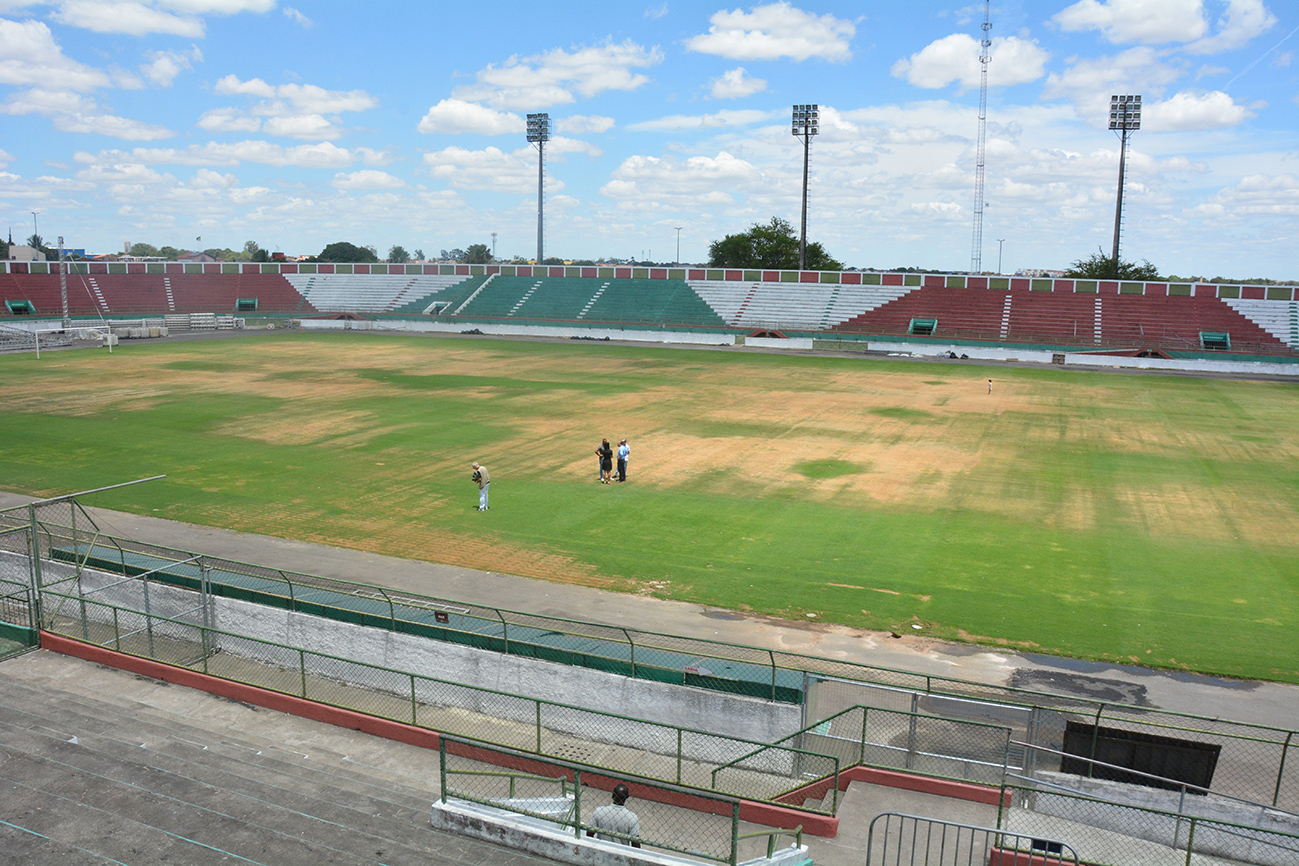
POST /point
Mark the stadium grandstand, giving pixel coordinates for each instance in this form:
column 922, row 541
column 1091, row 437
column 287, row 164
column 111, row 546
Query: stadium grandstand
column 1149, row 319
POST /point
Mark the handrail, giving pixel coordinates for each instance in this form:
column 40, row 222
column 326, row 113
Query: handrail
column 773, row 838
column 1184, row 786
column 563, row 782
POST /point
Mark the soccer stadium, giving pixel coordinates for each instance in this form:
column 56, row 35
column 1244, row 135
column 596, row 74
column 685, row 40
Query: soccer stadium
column 251, row 482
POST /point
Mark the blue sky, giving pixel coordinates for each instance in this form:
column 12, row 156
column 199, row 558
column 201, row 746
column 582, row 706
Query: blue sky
column 403, row 123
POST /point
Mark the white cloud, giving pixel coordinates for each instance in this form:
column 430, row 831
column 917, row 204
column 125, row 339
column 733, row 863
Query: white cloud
column 297, row 17
column 773, row 31
column 578, row 124
column 367, row 179
column 304, row 98
column 735, row 84
column 1146, row 21
column 228, row 120
column 552, row 78
column 5, row 158
column 487, row 169
column 452, row 116
column 308, row 127
column 1089, row 83
column 715, row 120
column 653, row 13
column 956, row 58
column 71, row 112
column 1262, row 195
column 302, row 111
column 1243, row 20
column 322, row 155
column 111, row 125
column 30, row 56
column 655, row 183
column 164, row 66
column 1193, row 111
column 144, row 17
column 561, row 145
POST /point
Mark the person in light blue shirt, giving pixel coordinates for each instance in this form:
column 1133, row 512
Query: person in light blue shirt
column 624, row 451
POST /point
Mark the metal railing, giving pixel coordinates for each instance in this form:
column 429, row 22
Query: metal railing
column 556, row 792
column 897, row 839
column 1257, row 763
column 1106, row 831
column 665, row 753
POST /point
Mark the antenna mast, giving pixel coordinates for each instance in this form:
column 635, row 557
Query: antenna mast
column 985, row 57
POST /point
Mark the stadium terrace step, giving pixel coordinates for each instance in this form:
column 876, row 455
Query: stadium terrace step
column 134, row 770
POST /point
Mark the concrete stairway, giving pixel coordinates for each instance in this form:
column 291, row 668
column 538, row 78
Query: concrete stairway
column 99, row 765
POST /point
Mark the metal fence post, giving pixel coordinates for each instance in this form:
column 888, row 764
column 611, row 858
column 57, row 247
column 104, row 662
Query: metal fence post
column 1190, row 842
column 678, row 756
column 631, row 643
column 735, row 832
column 1096, row 732
column 414, row 713
column 577, row 803
column 1280, row 771
column 442, row 768
column 202, row 639
column 861, row 757
column 302, row 666
column 117, row 637
column 772, row 656
column 911, row 731
column 538, row 705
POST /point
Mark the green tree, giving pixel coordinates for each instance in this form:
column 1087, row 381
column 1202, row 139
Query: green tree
column 170, row 253
column 552, row 260
column 143, row 250
column 773, row 245
column 418, row 255
column 398, row 254
column 477, row 254
column 342, row 251
column 1099, row 266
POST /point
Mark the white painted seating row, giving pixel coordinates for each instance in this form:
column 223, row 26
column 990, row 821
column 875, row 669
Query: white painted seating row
column 1278, row 318
column 793, row 306
column 368, row 293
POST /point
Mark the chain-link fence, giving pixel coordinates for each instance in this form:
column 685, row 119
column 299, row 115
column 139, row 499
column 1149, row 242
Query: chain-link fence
column 573, row 797
column 1105, row 831
column 1253, row 762
column 895, row 839
column 667, row 753
column 18, row 628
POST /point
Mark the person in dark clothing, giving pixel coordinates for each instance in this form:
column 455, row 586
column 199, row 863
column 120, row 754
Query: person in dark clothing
column 605, row 453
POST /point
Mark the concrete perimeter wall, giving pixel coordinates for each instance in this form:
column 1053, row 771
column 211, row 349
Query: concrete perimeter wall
column 473, row 678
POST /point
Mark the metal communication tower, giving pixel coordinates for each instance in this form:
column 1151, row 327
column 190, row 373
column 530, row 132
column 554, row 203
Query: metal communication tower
column 539, row 134
column 985, row 57
column 1125, row 117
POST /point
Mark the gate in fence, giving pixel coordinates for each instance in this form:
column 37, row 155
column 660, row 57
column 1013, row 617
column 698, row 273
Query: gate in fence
column 896, row 839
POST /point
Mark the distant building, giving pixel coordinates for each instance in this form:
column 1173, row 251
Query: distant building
column 1038, row 272
column 20, row 253
column 195, row 257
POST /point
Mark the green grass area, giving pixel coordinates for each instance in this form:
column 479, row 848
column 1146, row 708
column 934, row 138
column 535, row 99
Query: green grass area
column 1098, row 515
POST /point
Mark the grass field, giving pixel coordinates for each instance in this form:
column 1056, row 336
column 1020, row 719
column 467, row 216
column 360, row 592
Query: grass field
column 1108, row 516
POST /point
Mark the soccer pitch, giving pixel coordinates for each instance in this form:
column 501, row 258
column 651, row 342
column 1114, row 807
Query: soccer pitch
column 1139, row 519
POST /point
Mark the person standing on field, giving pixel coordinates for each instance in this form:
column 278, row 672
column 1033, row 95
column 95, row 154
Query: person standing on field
column 484, row 481
column 624, row 451
column 605, row 453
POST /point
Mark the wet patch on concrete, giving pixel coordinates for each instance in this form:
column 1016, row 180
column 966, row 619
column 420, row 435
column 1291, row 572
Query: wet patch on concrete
column 1082, row 686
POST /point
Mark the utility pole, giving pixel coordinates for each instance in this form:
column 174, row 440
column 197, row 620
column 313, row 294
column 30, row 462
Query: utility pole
column 63, row 286
column 493, row 246
column 1000, row 241
column 805, row 122
column 678, row 259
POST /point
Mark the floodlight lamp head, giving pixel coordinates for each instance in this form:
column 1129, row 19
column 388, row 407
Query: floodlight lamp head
column 1125, row 112
column 806, row 120
column 539, row 127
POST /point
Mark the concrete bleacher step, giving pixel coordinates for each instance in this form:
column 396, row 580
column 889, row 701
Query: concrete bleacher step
column 107, row 762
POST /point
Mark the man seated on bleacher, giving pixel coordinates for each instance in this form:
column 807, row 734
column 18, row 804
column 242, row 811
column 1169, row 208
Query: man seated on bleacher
column 617, row 818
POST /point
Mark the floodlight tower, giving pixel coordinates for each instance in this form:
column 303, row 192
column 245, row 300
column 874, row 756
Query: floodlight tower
column 985, row 57
column 63, row 286
column 539, row 134
column 1125, row 117
column 806, row 122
